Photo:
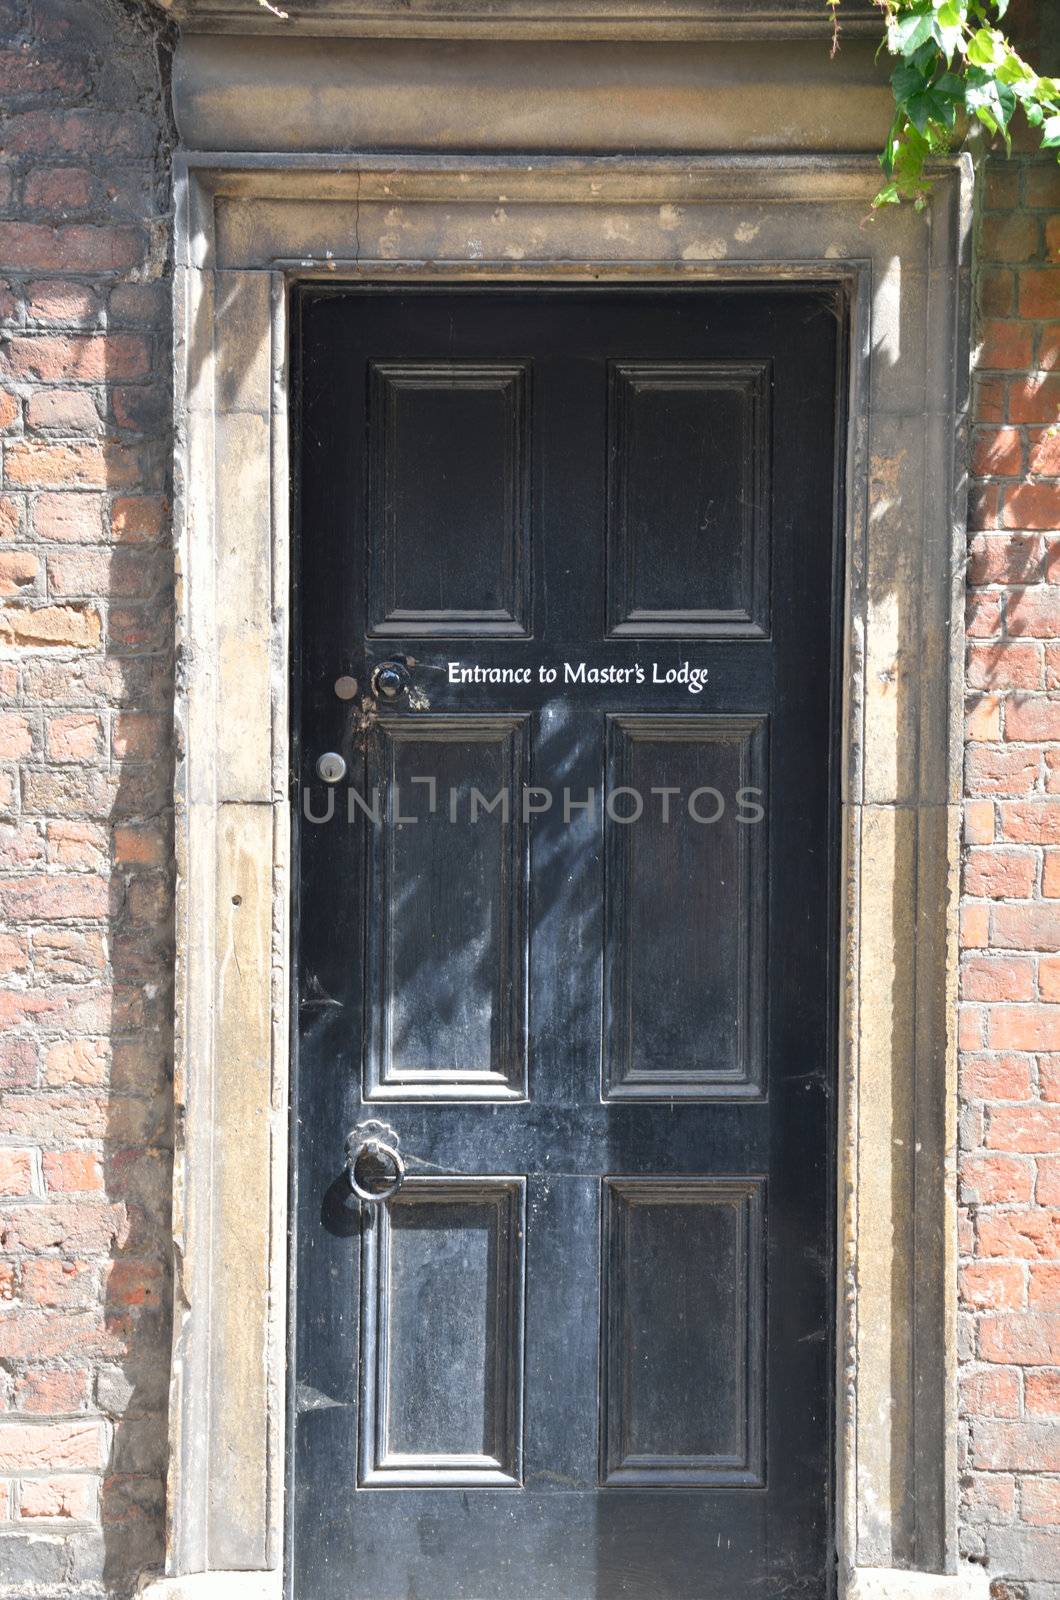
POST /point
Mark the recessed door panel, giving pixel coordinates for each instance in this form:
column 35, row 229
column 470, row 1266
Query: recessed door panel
column 686, row 998
column 689, row 505
column 683, row 1331
column 449, row 534
column 447, row 909
column 442, row 1364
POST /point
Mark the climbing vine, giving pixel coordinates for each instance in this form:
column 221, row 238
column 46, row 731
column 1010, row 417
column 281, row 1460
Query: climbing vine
column 954, row 64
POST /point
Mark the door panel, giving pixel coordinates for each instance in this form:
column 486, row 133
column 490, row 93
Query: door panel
column 441, row 1355
column 684, row 1015
column 447, row 931
column 688, row 529
column 565, row 944
column 450, row 454
column 684, row 1331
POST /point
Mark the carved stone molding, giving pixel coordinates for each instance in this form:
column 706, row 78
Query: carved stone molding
column 526, row 19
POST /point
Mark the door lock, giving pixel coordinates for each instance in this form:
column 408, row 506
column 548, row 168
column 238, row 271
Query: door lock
column 391, row 679
column 331, row 768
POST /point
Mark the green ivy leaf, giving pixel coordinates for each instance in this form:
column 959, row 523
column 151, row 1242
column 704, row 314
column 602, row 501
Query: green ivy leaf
column 952, row 58
column 982, row 48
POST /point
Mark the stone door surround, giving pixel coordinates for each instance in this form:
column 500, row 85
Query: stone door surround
column 250, row 221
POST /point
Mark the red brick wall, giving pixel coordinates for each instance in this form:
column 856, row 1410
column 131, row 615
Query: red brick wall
column 1010, row 981
column 85, row 795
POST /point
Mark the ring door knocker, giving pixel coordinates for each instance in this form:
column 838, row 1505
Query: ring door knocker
column 373, row 1163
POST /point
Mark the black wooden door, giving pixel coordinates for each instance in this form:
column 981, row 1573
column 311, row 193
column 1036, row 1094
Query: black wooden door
column 584, row 1349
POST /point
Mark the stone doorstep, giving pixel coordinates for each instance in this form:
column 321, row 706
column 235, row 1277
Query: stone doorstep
column 865, row 1583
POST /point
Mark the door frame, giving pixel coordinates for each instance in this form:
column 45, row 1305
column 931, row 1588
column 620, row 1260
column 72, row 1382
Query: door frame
column 247, row 227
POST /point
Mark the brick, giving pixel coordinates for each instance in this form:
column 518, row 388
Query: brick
column 60, row 300
column 93, row 357
column 1005, row 345
column 1025, row 1128
column 997, row 291
column 14, row 953
column 16, row 1172
column 140, row 847
column 1048, row 354
column 42, row 627
column 1041, row 185
column 61, row 189
column 974, row 927
column 51, row 1390
column 18, row 1063
column 132, row 1283
column 18, row 571
column 16, row 736
column 1030, row 927
column 1049, row 1077
column 1032, row 505
column 1030, row 1338
column 1005, row 558
column 69, row 954
column 12, row 517
column 992, row 1286
column 1004, row 665
column 984, row 506
column 998, row 978
column 996, row 1077
column 996, row 1180
column 1009, row 238
column 63, row 411
column 1024, row 1028
column 1028, row 1235
column 61, row 1499
column 990, row 1392
column 982, row 718
column 80, row 1229
column 983, row 614
column 979, row 821
column 1049, row 979
column 991, row 399
column 1047, row 1188
column 33, row 463
column 78, row 247
column 1038, row 297
column 75, row 518
column 1042, row 1391
column 1044, row 450
column 84, row 1061
column 1051, row 874
column 995, row 873
column 76, row 844
column 1031, row 822
column 76, row 736
column 21, row 845
column 1032, row 718
column 138, row 519
column 58, row 1284
column 67, row 1171
column 1040, row 1501
column 1035, row 612
column 40, row 1447
column 1012, row 771
column 1004, row 1446
column 54, row 896
column 1043, row 1286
